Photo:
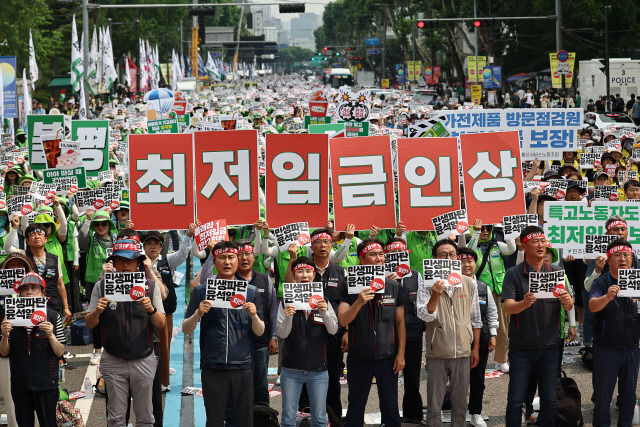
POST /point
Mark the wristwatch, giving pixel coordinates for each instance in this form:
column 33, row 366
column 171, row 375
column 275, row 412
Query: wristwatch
column 155, row 310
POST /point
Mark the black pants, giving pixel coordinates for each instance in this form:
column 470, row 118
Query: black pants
column 221, row 385
column 334, row 366
column 476, row 378
column 43, row 402
column 361, row 373
column 412, row 400
column 97, row 331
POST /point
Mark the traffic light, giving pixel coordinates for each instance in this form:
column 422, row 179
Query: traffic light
column 326, row 48
column 425, row 23
column 337, row 53
column 292, row 8
column 477, row 23
column 319, row 53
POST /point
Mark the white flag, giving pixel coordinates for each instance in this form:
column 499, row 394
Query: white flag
column 92, row 73
column 26, row 99
column 143, row 67
column 109, row 74
column 82, row 108
column 33, row 65
column 127, row 72
column 77, row 66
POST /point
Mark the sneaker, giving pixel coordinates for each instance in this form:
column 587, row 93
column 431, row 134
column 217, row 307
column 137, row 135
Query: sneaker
column 477, row 421
column 278, row 381
column 165, row 388
column 95, row 358
column 503, row 367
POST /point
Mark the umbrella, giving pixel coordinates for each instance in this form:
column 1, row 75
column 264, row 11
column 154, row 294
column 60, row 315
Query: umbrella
column 161, row 99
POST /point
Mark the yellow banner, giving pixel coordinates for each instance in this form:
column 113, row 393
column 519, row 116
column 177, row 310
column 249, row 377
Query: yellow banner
column 413, row 70
column 385, row 83
column 476, row 94
column 556, row 78
column 482, row 62
column 473, row 68
column 354, row 68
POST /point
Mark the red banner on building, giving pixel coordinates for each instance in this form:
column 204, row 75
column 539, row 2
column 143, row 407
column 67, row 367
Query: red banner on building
column 161, row 181
column 429, row 181
column 492, row 176
column 362, row 180
column 227, row 175
column 297, row 179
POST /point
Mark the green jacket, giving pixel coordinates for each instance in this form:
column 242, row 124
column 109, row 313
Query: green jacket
column 352, row 255
column 53, row 244
column 420, row 245
column 493, row 272
column 283, row 263
column 96, row 254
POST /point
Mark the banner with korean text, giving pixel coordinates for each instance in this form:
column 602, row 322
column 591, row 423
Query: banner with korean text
column 227, row 175
column 429, row 182
column 362, row 180
column 492, row 176
column 576, row 227
column 297, row 180
column 161, row 181
column 544, row 132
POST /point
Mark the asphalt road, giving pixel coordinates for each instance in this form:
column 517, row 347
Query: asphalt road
column 494, row 398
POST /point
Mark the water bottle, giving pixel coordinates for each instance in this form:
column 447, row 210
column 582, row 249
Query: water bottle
column 67, row 334
column 174, row 334
column 88, row 388
column 636, row 415
column 61, row 371
column 98, row 374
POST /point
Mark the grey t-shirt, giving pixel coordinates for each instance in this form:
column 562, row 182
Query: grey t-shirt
column 156, row 301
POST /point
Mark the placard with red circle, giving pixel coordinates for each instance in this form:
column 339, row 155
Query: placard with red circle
column 377, row 284
column 303, row 239
column 136, row 293
column 313, row 301
column 38, row 317
column 238, row 300
column 454, row 279
column 402, row 270
column 462, row 227
column 558, row 289
column 26, row 209
column 98, row 204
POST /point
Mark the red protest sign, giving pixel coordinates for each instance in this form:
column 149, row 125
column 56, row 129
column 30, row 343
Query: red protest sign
column 161, row 184
column 297, row 181
column 362, row 180
column 216, row 230
column 227, row 175
column 429, row 182
column 492, row 175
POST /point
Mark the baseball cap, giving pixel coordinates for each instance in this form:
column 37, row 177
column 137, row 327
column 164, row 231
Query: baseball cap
column 30, row 278
column 125, row 248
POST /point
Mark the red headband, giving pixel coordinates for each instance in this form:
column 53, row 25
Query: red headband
column 615, row 223
column 223, row 251
column 395, row 245
column 302, row 265
column 466, row 256
column 619, row 248
column 321, row 236
column 121, row 246
column 531, row 236
column 246, row 248
column 370, row 247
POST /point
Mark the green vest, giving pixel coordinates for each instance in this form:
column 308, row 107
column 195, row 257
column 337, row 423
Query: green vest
column 70, row 243
column 54, row 246
column 352, row 254
column 493, row 272
column 94, row 261
column 258, row 264
column 283, row 263
column 420, row 246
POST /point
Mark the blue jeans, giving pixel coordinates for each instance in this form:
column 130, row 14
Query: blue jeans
column 291, row 382
column 260, row 384
column 544, row 362
column 587, row 323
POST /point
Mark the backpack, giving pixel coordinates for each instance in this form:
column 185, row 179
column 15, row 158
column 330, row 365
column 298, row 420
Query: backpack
column 587, row 357
column 569, row 402
column 265, row 416
column 67, row 415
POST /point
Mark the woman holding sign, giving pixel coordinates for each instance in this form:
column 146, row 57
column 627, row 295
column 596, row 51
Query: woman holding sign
column 33, row 350
column 305, row 333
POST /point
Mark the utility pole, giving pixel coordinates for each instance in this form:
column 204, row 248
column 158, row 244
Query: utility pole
column 413, row 46
column 138, row 55
column 475, row 31
column 193, row 53
column 606, row 56
column 85, row 46
column 166, row 43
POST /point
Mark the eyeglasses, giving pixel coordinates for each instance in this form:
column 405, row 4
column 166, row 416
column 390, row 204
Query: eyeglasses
column 447, row 255
column 620, row 255
column 245, row 254
column 100, row 224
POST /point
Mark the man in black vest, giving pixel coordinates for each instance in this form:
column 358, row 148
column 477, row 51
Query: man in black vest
column 376, row 341
column 412, row 399
column 333, row 277
column 616, row 335
column 32, row 352
column 226, row 343
column 128, row 364
column 489, row 314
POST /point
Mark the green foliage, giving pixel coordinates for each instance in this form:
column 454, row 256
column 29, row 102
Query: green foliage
column 292, row 54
